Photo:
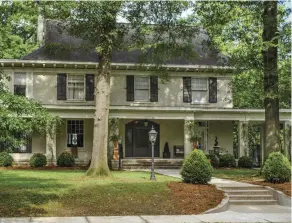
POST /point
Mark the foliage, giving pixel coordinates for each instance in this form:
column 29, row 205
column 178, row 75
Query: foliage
column 214, row 160
column 277, row 168
column 196, row 168
column 65, row 159
column 227, row 160
column 5, row 159
column 245, row 162
column 18, row 35
column 38, row 160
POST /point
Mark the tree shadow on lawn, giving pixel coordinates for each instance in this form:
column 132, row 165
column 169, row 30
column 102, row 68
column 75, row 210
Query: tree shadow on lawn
column 20, row 195
column 143, row 198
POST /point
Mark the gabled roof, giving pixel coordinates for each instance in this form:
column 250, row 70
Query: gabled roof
column 61, row 46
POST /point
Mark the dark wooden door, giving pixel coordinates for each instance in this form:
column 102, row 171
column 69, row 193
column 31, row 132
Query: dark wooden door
column 137, row 139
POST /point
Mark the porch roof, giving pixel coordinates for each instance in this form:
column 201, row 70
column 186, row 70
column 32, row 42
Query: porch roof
column 172, row 113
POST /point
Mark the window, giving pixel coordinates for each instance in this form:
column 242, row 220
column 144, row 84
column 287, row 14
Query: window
column 26, row 147
column 75, row 133
column 203, row 128
column 20, row 84
column 142, row 88
column 199, row 90
column 76, row 87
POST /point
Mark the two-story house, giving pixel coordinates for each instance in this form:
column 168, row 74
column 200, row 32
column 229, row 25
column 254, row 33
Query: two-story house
column 63, row 81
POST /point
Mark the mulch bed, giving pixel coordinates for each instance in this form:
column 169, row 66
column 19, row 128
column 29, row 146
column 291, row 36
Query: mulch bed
column 194, row 199
column 284, row 187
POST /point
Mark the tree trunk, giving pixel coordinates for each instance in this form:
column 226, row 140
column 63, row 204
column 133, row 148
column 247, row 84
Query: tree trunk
column 99, row 161
column 271, row 102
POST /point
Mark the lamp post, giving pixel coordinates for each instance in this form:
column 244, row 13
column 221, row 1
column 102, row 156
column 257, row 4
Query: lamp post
column 152, row 138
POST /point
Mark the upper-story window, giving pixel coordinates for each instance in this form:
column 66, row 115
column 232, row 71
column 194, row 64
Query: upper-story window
column 20, row 84
column 199, row 90
column 141, row 88
column 76, row 87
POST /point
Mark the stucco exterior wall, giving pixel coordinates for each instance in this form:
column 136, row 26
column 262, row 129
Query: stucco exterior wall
column 42, row 86
column 38, row 144
column 223, row 130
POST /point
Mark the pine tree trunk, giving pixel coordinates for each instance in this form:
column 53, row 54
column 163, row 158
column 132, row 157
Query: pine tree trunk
column 271, row 102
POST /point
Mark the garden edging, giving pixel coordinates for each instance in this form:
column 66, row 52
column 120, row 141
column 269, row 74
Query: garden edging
column 223, row 206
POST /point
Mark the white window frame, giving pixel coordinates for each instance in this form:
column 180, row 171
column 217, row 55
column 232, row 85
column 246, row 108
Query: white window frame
column 198, row 90
column 148, row 99
column 205, row 129
column 84, row 87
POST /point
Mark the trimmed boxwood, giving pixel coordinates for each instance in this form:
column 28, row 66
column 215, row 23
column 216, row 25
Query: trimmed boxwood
column 5, row 159
column 196, row 168
column 65, row 160
column 38, row 160
column 277, row 168
column 214, row 160
column 227, row 160
column 245, row 162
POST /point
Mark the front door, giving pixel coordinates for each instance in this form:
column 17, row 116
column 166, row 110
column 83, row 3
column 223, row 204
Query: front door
column 137, row 139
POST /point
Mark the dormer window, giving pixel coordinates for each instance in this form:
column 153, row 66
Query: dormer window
column 20, row 84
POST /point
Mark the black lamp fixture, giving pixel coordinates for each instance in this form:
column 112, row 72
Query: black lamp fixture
column 145, row 122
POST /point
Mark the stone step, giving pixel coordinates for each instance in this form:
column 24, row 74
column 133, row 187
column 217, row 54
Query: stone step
column 250, row 197
column 149, row 167
column 247, row 192
column 253, row 202
column 225, row 188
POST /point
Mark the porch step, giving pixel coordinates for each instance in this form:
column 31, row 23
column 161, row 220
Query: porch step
column 146, row 163
column 239, row 188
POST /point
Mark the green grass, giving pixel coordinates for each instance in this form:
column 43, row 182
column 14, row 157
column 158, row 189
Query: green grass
column 237, row 174
column 71, row 193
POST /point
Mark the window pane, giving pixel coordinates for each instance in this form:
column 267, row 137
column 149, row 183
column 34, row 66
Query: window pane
column 19, row 79
column 75, row 129
column 141, row 95
column 199, row 96
column 76, row 87
column 199, row 84
column 142, row 83
column 19, row 90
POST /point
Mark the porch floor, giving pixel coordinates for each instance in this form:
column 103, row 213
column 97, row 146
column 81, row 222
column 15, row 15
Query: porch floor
column 145, row 163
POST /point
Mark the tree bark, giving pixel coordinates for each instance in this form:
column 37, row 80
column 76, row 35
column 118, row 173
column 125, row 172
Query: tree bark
column 271, row 102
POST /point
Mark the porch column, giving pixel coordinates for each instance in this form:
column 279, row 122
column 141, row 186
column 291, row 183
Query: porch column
column 187, row 143
column 243, row 138
column 287, row 139
column 262, row 141
column 51, row 148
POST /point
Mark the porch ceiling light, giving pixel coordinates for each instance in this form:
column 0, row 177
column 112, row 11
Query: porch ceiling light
column 152, row 135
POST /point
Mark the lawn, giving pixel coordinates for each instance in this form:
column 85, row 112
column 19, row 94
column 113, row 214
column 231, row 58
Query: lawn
column 237, row 174
column 70, row 193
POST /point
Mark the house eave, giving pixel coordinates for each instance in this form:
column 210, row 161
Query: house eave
column 15, row 63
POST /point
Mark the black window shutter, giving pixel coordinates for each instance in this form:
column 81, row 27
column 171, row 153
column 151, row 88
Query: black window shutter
column 212, row 90
column 153, row 88
column 61, row 87
column 187, row 89
column 130, row 88
column 89, row 78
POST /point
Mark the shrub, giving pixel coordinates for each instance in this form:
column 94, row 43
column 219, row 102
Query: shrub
column 227, row 160
column 277, row 168
column 38, row 160
column 65, row 160
column 5, row 159
column 245, row 162
column 196, row 168
column 213, row 160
